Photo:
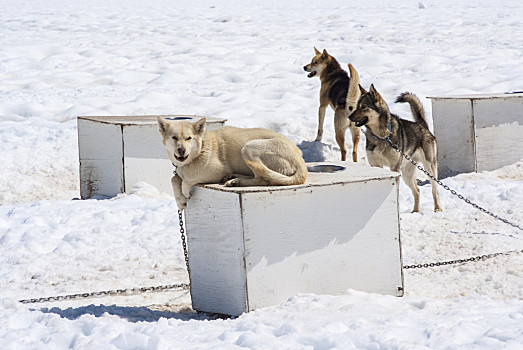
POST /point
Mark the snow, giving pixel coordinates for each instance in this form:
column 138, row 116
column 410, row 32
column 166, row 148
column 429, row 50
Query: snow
column 241, row 61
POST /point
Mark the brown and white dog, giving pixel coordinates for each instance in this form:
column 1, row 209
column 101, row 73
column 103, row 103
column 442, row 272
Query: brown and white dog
column 333, row 92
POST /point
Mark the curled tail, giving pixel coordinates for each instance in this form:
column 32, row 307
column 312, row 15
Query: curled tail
column 275, row 178
column 415, row 106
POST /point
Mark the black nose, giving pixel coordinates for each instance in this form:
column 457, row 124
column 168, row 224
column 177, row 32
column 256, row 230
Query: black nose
column 181, row 151
column 304, row 68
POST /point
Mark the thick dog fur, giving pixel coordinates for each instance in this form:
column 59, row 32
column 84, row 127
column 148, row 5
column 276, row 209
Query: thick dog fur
column 238, row 157
column 413, row 138
column 333, row 92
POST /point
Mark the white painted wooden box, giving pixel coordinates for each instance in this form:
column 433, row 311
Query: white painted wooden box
column 117, row 152
column 477, row 132
column 252, row 247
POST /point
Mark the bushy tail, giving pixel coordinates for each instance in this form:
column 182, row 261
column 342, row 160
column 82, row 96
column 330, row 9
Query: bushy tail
column 275, row 178
column 415, row 106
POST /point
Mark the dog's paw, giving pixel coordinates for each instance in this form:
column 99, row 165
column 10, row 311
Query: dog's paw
column 233, row 183
column 181, row 205
column 181, row 202
column 227, row 178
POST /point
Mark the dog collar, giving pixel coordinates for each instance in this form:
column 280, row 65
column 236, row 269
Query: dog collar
column 388, row 137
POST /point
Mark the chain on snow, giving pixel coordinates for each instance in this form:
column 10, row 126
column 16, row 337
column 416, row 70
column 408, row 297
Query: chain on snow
column 185, row 286
column 468, row 201
column 114, row 292
column 461, row 261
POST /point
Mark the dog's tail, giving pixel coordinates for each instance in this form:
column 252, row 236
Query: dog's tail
column 415, row 106
column 354, row 91
column 275, row 178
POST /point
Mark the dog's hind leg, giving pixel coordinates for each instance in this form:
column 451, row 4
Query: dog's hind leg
column 341, row 123
column 321, row 119
column 408, row 172
column 274, row 162
column 433, row 169
column 355, row 132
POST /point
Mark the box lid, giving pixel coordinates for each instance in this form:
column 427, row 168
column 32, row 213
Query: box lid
column 518, row 94
column 321, row 174
column 147, row 119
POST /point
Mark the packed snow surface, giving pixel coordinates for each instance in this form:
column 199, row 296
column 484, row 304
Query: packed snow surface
column 242, row 61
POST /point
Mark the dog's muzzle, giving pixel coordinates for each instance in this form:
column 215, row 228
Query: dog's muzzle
column 311, row 74
column 362, row 122
column 359, row 123
column 181, row 159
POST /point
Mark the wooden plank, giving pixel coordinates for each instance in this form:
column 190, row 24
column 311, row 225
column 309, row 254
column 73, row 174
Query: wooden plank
column 499, row 132
column 322, row 240
column 145, row 158
column 215, row 243
column 101, row 163
column 212, row 122
column 454, row 131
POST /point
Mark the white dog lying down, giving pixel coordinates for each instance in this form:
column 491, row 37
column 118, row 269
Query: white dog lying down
column 238, row 157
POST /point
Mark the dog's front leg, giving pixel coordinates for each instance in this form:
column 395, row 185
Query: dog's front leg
column 181, row 199
column 321, row 119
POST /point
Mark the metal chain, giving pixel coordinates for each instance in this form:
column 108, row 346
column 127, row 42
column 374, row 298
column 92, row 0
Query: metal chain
column 182, row 229
column 185, row 286
column 468, row 201
column 461, row 261
column 184, row 244
column 114, row 292
column 123, row 291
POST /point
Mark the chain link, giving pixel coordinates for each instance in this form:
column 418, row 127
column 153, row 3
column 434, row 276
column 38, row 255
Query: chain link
column 113, row 292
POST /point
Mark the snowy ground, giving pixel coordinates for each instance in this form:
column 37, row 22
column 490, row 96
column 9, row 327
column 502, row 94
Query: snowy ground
column 241, row 61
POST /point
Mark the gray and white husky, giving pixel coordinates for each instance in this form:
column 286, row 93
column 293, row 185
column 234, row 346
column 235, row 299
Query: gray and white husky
column 412, row 138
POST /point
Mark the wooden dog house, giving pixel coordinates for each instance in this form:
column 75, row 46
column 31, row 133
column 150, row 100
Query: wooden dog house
column 251, row 247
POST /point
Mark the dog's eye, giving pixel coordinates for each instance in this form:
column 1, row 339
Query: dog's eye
column 175, row 138
column 188, row 139
column 315, row 62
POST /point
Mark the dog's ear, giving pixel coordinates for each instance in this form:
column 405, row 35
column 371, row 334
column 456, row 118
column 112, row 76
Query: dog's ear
column 324, row 55
column 316, row 51
column 199, row 126
column 375, row 94
column 362, row 90
column 162, row 125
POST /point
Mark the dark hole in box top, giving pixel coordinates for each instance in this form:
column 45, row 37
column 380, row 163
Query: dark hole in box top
column 178, row 118
column 325, row 168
